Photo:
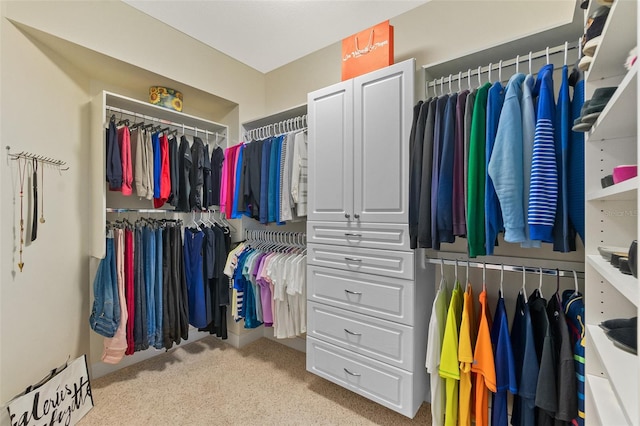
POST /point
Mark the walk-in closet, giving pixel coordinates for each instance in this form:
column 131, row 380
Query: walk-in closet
column 319, row 212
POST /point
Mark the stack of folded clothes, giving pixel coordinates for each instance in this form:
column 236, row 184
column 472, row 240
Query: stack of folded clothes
column 593, row 34
column 592, row 108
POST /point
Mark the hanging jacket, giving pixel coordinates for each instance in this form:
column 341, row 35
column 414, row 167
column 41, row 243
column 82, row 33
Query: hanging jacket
column 438, row 135
column 264, row 180
column 114, row 163
column 196, row 178
column 174, row 172
column 506, row 163
column 564, row 235
column 544, row 174
column 492, row 216
column 575, row 180
column 528, row 133
column 184, row 171
column 415, row 171
column 207, row 193
column 217, row 159
column 459, row 221
column 424, row 211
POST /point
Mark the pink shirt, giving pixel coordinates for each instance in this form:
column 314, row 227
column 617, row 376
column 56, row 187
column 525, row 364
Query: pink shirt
column 124, row 141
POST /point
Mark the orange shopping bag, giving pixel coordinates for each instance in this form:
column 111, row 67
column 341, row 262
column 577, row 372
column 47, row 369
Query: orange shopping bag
column 367, row 50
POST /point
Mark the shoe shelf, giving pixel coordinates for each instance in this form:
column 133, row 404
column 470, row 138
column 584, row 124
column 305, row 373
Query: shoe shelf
column 612, row 52
column 606, row 404
column 624, row 191
column 621, row 368
column 617, row 120
column 627, row 285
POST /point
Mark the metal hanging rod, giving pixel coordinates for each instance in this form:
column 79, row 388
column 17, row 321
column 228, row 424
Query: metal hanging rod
column 182, row 126
column 546, row 53
column 507, row 268
column 40, row 158
column 285, row 126
column 112, row 210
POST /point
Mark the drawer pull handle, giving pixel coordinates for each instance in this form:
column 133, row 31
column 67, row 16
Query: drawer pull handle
column 352, row 374
column 357, row 216
column 352, row 333
column 352, row 292
column 349, row 234
column 352, row 259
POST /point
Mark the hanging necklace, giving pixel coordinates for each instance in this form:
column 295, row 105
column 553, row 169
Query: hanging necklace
column 42, row 190
column 22, row 176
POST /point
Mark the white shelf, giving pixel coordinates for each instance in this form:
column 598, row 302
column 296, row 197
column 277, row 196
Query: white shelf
column 620, row 367
column 613, row 50
column 607, row 407
column 617, row 120
column 627, row 285
column 624, row 191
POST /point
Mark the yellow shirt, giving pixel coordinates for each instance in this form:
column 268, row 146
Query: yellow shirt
column 449, row 367
column 465, row 356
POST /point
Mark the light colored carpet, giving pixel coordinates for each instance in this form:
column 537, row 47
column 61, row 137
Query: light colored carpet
column 209, row 382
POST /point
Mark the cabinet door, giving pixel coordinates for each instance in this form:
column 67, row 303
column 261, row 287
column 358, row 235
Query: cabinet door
column 383, row 109
column 330, row 112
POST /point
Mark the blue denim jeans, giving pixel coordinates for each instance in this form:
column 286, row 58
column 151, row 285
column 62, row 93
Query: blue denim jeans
column 150, row 281
column 105, row 314
column 140, row 294
column 159, row 340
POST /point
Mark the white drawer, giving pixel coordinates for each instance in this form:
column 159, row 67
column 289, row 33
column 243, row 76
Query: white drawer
column 383, row 340
column 398, row 264
column 382, row 297
column 382, row 383
column 371, row 235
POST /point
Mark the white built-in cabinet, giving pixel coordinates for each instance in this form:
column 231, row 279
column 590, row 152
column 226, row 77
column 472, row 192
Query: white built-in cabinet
column 368, row 299
column 612, row 375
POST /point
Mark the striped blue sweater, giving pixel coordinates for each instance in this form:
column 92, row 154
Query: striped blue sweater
column 544, row 174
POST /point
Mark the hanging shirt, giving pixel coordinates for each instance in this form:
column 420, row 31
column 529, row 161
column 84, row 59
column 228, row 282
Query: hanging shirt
column 483, row 363
column 438, row 136
column 567, row 406
column 575, row 180
column 299, row 173
column 274, row 166
column 415, row 167
column 506, row 167
column 196, row 176
column 124, row 143
column 114, row 163
column 465, row 357
column 424, row 213
column 492, row 215
column 573, row 304
column 174, row 172
column 157, row 164
column 477, row 175
column 285, row 178
column 526, row 365
column 504, row 365
column 217, row 159
column 468, row 116
column 237, row 190
column 165, row 173
column 138, row 150
column 544, row 174
column 444, row 216
column 207, row 191
column 458, row 202
column 264, row 181
column 185, row 161
column 546, row 398
column 564, row 235
column 434, row 349
column 449, row 367
column 528, row 135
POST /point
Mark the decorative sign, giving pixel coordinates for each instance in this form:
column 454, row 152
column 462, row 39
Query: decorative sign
column 62, row 400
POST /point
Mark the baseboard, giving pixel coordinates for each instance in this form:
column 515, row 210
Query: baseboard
column 297, row 343
column 241, row 340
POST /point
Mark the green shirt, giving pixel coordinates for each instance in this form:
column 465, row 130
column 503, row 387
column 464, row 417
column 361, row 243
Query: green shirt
column 477, row 174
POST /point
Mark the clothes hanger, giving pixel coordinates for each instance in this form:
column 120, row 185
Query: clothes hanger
column 443, row 283
column 500, row 71
column 540, row 285
column 517, row 63
column 456, row 270
column 501, row 280
column 489, row 72
column 524, row 279
column 547, row 54
column 469, row 78
column 566, row 51
column 441, row 86
column 579, row 49
column 530, row 63
column 450, row 90
column 459, row 82
column 575, row 282
column 468, row 272
column 557, row 282
column 479, row 78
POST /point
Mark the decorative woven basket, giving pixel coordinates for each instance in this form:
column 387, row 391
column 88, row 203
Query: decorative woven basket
column 165, row 97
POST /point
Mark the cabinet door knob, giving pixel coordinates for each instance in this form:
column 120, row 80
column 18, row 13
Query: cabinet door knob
column 350, row 234
column 352, row 333
column 352, row 259
column 357, row 216
column 352, row 374
column 352, row 292
column 347, row 215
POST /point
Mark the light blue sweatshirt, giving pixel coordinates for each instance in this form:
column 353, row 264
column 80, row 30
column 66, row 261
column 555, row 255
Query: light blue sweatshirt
column 506, row 163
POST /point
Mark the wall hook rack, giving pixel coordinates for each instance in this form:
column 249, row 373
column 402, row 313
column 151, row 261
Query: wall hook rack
column 41, row 158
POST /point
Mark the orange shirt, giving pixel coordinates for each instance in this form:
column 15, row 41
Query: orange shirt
column 465, row 357
column 483, row 365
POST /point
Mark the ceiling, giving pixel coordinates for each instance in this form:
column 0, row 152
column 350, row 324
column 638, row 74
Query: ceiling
column 266, row 34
